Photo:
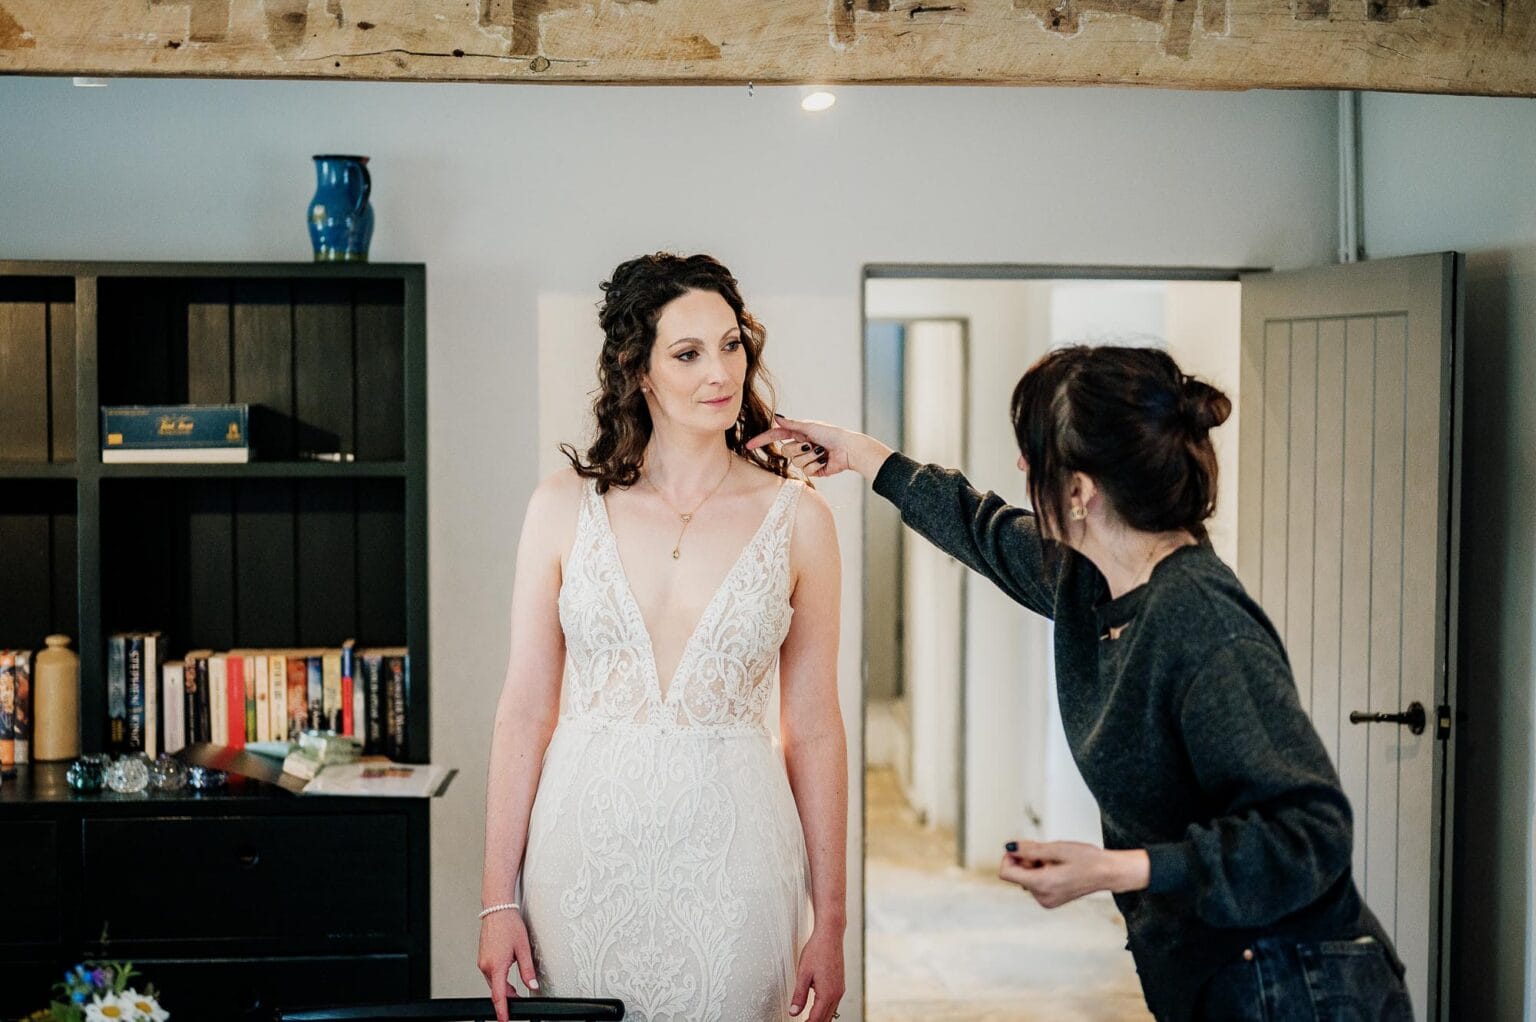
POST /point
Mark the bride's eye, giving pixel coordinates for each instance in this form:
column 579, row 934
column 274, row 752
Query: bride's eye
column 734, row 345
column 687, row 356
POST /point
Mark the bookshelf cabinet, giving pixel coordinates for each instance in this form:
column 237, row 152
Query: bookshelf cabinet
column 249, row 897
column 280, row 552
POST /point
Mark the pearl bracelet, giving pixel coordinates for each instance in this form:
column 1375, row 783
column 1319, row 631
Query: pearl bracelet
column 499, row 908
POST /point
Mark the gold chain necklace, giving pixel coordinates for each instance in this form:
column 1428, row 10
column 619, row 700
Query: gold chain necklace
column 687, row 516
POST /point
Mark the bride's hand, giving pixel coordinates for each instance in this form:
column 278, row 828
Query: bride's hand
column 503, row 944
column 822, row 449
column 821, row 969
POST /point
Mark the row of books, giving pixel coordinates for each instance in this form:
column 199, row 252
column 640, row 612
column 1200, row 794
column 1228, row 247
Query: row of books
column 242, row 696
column 15, row 707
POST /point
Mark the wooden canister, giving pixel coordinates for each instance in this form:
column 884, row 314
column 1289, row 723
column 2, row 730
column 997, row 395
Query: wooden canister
column 56, row 702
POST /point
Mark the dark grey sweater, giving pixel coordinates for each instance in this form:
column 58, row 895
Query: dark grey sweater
column 1188, row 731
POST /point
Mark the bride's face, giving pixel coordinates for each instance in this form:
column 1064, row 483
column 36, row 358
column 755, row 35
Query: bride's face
column 698, row 364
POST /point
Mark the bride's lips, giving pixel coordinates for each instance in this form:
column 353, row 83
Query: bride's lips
column 720, row 402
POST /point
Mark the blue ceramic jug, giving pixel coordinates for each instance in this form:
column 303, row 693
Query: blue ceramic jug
column 340, row 219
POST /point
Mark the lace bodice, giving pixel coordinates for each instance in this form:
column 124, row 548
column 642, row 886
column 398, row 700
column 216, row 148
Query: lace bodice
column 726, row 672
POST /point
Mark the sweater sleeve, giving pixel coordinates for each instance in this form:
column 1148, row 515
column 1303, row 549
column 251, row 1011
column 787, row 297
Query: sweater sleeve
column 1284, row 830
column 982, row 531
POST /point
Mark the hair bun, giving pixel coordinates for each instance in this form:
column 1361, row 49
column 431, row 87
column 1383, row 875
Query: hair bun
column 1203, row 406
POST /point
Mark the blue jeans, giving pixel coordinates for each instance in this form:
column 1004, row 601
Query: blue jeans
column 1313, row 981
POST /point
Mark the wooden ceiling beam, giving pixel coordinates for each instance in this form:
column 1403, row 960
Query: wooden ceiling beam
column 1485, row 47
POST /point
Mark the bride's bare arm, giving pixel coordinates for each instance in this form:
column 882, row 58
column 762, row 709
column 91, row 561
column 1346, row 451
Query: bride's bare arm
column 816, row 747
column 526, row 715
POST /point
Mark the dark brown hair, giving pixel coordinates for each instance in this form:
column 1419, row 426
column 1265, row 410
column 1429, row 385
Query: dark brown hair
column 632, row 303
column 1131, row 420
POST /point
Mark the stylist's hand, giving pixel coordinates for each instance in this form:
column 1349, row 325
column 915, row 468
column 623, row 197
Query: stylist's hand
column 821, row 449
column 1057, row 872
column 503, row 944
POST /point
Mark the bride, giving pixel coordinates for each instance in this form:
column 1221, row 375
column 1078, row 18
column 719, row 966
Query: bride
column 668, row 850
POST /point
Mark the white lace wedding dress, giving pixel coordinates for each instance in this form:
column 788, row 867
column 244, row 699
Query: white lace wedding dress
column 666, row 864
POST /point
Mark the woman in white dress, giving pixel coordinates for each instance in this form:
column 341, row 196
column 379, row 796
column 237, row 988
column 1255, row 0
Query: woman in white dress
column 669, row 852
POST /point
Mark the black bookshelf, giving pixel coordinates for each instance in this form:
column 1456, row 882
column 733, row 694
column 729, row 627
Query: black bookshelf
column 280, row 552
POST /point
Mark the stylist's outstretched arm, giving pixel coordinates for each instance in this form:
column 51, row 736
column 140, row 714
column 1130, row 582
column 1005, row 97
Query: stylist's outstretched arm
column 1227, row 838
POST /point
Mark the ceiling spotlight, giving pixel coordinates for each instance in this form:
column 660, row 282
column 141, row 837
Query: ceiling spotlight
column 90, row 83
column 817, row 101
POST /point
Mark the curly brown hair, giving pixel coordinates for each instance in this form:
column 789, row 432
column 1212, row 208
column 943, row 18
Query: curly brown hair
column 632, row 303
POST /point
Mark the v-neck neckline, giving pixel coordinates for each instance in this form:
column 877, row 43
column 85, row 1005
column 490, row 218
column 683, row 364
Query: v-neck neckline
column 664, row 697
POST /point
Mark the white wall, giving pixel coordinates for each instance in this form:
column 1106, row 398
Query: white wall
column 511, row 193
column 1007, row 652
column 1204, row 320
column 933, row 602
column 1456, row 173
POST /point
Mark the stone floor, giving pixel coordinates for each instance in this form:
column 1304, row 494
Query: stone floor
column 945, row 944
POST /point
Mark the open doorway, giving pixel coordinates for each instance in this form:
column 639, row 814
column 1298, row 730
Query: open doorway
column 964, row 746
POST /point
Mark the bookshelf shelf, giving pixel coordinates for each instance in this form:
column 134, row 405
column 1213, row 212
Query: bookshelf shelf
column 17, row 470
column 259, row 470
column 22, row 470
column 276, row 553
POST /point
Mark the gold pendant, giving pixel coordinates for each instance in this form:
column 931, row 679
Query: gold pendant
column 676, row 553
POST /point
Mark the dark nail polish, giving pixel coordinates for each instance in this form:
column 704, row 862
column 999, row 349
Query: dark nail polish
column 820, row 449
column 805, row 447
column 1011, row 846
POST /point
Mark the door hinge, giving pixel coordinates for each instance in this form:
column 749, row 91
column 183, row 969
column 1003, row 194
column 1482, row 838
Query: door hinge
column 1442, row 722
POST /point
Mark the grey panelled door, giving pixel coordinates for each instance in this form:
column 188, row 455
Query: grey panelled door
column 1347, row 508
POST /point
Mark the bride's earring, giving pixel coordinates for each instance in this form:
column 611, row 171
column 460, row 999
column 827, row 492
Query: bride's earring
column 1079, row 512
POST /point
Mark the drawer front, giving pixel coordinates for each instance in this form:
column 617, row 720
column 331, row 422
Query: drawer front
column 29, row 850
column 234, row 989
column 233, row 878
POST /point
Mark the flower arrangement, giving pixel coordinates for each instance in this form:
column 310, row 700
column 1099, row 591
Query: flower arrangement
column 99, row 992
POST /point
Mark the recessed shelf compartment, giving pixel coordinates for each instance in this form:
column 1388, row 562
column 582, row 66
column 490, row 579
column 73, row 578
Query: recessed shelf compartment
column 224, row 563
column 39, row 586
column 321, row 361
column 37, row 370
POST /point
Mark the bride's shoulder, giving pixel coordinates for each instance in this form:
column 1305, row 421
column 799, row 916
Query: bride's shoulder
column 559, row 492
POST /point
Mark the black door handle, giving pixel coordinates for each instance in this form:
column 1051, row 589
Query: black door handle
column 1413, row 718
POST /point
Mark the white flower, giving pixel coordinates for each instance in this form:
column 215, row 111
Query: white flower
column 142, row 1007
column 110, row 1008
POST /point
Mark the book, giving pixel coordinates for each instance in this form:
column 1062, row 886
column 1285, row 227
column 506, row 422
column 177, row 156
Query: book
column 117, row 692
column 262, row 724
column 371, row 666
column 23, row 725
column 350, row 690
column 330, row 674
column 298, row 695
column 395, row 682
column 315, row 691
column 234, row 675
column 277, row 672
column 218, row 699
column 375, row 779
column 248, row 668
column 173, row 702
column 152, row 658
column 144, row 433
column 134, row 740
column 7, row 710
column 200, row 711
column 183, row 455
